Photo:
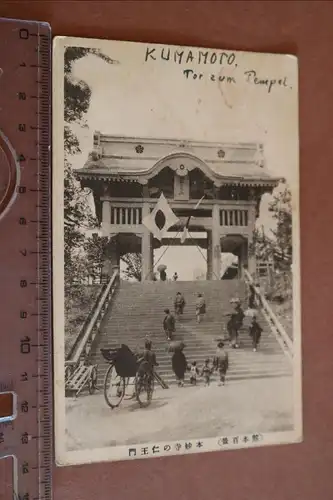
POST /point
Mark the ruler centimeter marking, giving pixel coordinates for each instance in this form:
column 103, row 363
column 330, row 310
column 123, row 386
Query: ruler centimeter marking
column 25, row 257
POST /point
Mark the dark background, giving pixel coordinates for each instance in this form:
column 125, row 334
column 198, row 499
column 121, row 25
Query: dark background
column 305, row 28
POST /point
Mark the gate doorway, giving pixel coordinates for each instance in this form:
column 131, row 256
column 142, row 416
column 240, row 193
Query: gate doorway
column 188, row 259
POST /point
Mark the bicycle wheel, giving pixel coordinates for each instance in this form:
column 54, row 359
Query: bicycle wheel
column 144, row 388
column 114, row 387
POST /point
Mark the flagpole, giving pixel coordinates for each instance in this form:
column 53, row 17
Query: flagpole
column 197, row 205
column 185, row 233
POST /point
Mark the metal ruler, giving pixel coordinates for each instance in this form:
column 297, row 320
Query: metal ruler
column 25, row 261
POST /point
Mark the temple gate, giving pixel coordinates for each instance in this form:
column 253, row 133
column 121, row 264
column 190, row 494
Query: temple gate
column 127, row 176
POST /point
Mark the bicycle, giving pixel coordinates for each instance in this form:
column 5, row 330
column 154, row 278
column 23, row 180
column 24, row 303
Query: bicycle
column 124, row 366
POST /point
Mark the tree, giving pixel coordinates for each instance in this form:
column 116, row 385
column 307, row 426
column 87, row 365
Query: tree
column 281, row 208
column 133, row 266
column 95, row 247
column 77, row 213
column 278, row 245
column 78, row 93
column 262, row 246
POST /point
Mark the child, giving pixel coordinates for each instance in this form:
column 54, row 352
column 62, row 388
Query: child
column 206, row 372
column 194, row 372
column 221, row 362
column 200, row 307
column 255, row 333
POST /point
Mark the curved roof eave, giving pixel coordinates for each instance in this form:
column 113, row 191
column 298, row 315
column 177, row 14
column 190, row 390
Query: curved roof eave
column 137, row 177
column 101, row 171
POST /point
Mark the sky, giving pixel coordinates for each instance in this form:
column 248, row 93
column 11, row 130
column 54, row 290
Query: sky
column 153, row 98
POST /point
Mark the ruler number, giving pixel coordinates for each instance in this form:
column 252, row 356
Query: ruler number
column 21, row 158
column 24, row 407
column 25, row 468
column 24, row 34
column 23, row 283
column 24, row 377
column 22, row 127
column 24, row 252
column 22, row 221
column 22, row 96
column 25, row 438
column 22, row 189
column 23, row 314
column 25, row 345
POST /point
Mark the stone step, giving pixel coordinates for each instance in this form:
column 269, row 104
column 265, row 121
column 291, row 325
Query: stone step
column 230, row 379
column 237, row 376
column 190, row 343
column 137, row 311
column 245, row 370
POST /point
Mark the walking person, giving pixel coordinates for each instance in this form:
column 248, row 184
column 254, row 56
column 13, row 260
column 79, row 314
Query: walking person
column 179, row 304
column 255, row 333
column 175, row 276
column 252, row 298
column 169, row 324
column 179, row 364
column 200, row 307
column 161, row 269
column 235, row 323
column 221, row 362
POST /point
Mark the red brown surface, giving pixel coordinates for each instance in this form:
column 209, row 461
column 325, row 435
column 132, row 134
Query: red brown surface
column 6, row 404
column 302, row 471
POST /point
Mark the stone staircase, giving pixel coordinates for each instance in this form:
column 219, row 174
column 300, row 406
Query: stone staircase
column 137, row 311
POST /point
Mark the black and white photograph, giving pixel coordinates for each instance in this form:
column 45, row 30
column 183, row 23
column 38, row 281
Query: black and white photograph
column 176, row 250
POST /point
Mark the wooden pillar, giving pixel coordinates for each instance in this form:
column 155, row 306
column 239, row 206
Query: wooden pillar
column 152, row 257
column 251, row 258
column 106, row 218
column 146, row 249
column 209, row 256
column 216, row 243
column 242, row 259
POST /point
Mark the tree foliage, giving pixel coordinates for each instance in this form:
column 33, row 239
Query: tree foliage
column 77, row 92
column 281, row 209
column 95, row 248
column 133, row 266
column 77, row 213
column 276, row 246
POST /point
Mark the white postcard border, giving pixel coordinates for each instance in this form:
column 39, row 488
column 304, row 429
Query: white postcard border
column 62, row 455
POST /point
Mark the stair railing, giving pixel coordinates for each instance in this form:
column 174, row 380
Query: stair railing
column 273, row 322
column 79, row 354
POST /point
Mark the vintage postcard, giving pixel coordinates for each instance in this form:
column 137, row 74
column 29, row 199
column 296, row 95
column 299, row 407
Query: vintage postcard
column 176, row 250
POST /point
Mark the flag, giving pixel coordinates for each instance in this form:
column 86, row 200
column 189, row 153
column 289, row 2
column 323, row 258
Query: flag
column 160, row 219
column 185, row 233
